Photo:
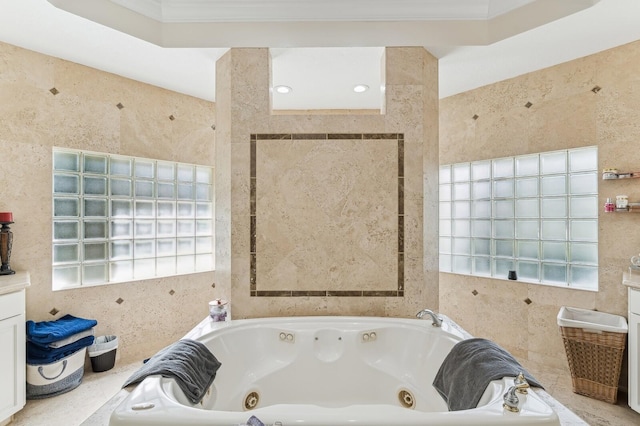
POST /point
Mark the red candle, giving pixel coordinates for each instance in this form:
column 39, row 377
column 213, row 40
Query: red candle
column 6, row 217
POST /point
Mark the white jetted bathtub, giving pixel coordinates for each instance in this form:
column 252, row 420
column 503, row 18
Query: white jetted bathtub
column 324, row 371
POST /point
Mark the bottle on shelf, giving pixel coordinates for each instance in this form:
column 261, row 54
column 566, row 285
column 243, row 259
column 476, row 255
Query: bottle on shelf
column 622, row 202
column 609, row 206
column 609, row 173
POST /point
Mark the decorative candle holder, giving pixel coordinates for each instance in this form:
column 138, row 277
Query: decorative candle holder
column 6, row 241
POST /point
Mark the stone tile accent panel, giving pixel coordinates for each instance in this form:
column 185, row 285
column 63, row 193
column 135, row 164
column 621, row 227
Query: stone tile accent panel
column 328, row 206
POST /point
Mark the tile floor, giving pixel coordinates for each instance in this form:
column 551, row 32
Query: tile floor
column 594, row 412
column 77, row 407
column 74, row 407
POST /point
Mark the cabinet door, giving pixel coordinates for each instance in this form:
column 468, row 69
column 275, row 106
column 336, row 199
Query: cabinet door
column 12, row 365
column 634, row 362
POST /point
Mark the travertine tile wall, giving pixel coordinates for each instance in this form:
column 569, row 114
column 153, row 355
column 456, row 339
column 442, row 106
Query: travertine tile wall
column 590, row 101
column 355, row 246
column 102, row 112
column 564, row 112
column 84, row 114
column 302, row 186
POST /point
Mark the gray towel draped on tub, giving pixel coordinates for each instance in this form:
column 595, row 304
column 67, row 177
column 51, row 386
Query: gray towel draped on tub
column 469, row 368
column 187, row 361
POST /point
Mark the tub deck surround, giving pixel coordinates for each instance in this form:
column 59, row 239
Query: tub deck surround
column 326, row 371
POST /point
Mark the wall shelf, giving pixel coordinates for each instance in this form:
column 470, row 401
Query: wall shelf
column 618, row 176
column 630, row 209
column 613, row 174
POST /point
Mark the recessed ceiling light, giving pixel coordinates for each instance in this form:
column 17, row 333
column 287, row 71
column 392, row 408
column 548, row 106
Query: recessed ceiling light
column 283, row 89
column 359, row 88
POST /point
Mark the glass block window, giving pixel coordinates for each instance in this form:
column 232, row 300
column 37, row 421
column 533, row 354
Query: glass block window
column 119, row 218
column 536, row 214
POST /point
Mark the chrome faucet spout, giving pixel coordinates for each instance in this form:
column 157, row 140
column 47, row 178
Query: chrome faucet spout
column 511, row 400
column 521, row 383
column 436, row 320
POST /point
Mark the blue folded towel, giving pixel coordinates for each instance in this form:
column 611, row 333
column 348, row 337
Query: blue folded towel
column 45, row 332
column 38, row 354
column 187, row 361
column 469, row 368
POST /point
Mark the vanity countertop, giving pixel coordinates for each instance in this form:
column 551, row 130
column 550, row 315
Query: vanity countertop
column 631, row 280
column 14, row 282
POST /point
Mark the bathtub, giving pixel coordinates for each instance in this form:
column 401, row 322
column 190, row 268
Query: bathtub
column 325, row 371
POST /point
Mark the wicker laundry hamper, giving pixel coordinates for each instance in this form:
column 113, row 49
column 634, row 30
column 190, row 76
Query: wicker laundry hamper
column 594, row 343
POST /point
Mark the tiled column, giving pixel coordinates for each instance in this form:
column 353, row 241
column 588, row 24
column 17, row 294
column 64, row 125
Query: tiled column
column 411, row 91
column 242, row 94
column 324, row 168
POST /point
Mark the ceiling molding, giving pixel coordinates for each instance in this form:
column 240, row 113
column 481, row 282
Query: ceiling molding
column 451, row 22
column 149, row 8
column 322, row 77
column 173, row 11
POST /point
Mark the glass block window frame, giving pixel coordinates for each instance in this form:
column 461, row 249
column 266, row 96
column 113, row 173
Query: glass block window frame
column 118, row 218
column 536, row 214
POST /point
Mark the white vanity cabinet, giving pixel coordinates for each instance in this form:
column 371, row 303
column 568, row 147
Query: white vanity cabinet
column 12, row 344
column 634, row 348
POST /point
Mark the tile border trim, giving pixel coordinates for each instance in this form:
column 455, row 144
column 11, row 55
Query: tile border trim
column 253, row 255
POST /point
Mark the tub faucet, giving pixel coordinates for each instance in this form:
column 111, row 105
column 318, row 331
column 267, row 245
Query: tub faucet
column 511, row 400
column 521, row 384
column 437, row 321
